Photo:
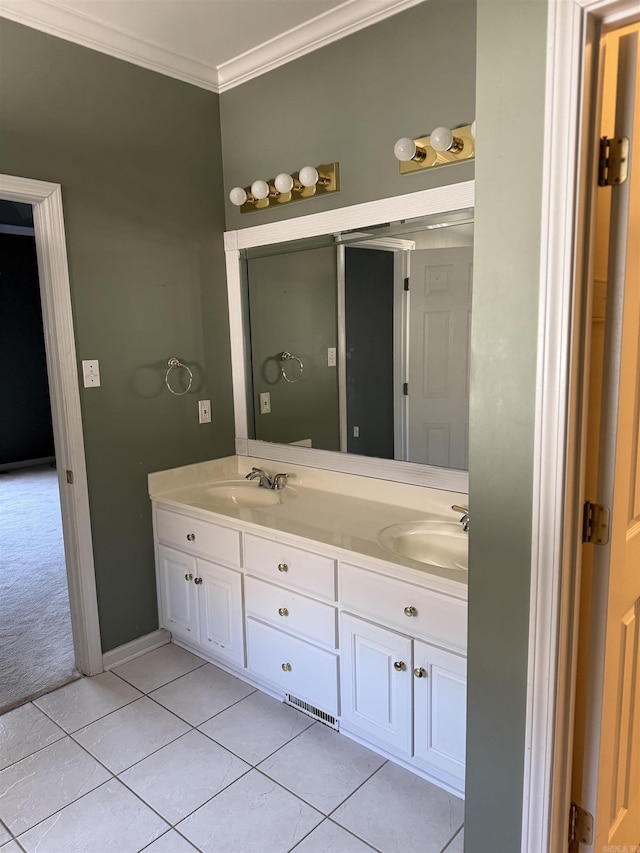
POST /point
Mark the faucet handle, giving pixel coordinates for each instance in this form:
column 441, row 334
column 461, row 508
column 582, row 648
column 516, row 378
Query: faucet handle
column 279, row 481
column 457, row 508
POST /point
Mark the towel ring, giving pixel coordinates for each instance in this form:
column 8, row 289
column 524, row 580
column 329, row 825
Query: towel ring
column 284, row 358
column 173, row 363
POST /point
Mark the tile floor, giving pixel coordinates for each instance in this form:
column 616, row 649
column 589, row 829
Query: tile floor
column 170, row 754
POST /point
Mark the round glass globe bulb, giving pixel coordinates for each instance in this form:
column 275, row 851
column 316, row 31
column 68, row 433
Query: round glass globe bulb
column 473, row 128
column 259, row 189
column 308, row 176
column 283, row 183
column 404, row 149
column 237, row 196
column 441, row 139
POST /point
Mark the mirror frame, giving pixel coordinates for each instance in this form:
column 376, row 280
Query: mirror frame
column 443, row 200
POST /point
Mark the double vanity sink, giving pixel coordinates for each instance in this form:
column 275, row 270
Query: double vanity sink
column 436, row 543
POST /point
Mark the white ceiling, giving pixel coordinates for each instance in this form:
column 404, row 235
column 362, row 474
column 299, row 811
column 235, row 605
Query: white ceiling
column 215, row 44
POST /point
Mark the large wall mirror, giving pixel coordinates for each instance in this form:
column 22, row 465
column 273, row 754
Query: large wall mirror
column 350, row 342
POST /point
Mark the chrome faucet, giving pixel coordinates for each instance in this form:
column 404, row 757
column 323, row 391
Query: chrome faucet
column 277, row 482
column 464, row 521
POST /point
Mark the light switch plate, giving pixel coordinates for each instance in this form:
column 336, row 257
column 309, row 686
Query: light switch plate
column 265, row 403
column 204, row 411
column 91, row 373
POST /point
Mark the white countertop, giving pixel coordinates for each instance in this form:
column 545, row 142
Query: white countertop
column 340, row 510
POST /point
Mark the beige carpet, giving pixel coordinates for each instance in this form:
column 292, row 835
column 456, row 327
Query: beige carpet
column 36, row 648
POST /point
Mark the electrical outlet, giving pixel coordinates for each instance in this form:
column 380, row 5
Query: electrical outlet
column 265, row 403
column 204, row 411
column 331, row 357
column 91, row 373
column 356, row 432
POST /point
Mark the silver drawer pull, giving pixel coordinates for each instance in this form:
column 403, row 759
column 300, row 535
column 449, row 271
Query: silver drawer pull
column 420, row 672
column 410, row 611
column 399, row 665
column 282, row 611
column 283, row 567
column 286, row 667
column 188, row 577
column 191, row 537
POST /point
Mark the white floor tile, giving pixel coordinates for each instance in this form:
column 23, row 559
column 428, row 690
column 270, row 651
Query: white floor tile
column 11, row 847
column 158, row 667
column 397, row 799
column 37, row 786
column 86, row 700
column 202, row 693
column 170, row 842
column 457, row 845
column 23, row 732
column 130, row 734
column 331, row 837
column 182, row 776
column 254, row 814
column 322, row 766
column 256, row 726
column 5, row 835
column 109, row 818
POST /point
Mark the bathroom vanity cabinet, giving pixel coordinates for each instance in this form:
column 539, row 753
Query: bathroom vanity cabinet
column 376, row 648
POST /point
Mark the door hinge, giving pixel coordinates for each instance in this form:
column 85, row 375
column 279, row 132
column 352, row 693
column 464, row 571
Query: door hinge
column 405, row 389
column 406, row 284
column 613, row 163
column 70, row 477
column 580, row 825
column 595, row 523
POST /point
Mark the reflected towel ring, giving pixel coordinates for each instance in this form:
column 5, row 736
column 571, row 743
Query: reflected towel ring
column 284, row 358
column 173, row 363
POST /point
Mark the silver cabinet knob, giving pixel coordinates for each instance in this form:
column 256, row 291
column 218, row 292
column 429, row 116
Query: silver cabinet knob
column 282, row 611
column 420, row 672
column 286, row 667
column 198, row 580
column 399, row 665
column 191, row 537
column 410, row 611
column 283, row 567
column 188, row 577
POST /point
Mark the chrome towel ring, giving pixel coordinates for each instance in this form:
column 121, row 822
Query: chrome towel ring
column 285, row 359
column 173, row 364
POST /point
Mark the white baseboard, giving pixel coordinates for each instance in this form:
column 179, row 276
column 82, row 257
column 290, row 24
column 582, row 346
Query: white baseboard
column 135, row 648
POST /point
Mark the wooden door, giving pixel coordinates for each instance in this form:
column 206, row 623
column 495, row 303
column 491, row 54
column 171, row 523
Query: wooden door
column 375, row 682
column 440, row 321
column 178, row 592
column 611, row 769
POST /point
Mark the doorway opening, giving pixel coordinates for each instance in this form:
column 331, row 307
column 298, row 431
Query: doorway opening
column 36, row 640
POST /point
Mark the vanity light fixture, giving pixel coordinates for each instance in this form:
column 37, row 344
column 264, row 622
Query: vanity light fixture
column 306, row 183
column 442, row 147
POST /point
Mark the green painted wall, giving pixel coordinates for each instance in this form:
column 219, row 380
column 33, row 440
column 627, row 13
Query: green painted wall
column 510, row 99
column 138, row 158
column 349, row 102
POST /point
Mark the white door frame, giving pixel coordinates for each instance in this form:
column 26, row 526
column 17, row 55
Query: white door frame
column 567, row 173
column 51, row 250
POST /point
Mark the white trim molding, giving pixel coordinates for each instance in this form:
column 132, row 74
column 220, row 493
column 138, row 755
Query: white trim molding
column 441, row 200
column 136, row 648
column 85, row 29
column 51, row 250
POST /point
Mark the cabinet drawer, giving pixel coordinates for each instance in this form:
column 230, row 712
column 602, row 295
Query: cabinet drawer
column 198, row 537
column 290, row 566
column 293, row 665
column 291, row 611
column 417, row 611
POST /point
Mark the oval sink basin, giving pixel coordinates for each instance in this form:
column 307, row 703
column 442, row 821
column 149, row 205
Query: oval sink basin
column 244, row 494
column 437, row 543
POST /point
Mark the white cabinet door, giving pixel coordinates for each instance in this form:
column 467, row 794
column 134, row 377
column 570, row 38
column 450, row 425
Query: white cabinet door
column 178, row 593
column 220, row 606
column 440, row 700
column 375, row 670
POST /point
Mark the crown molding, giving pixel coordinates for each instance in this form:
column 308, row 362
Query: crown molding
column 83, row 29
column 333, row 25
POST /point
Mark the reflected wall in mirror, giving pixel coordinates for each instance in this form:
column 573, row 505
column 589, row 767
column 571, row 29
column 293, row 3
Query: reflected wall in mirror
column 377, row 322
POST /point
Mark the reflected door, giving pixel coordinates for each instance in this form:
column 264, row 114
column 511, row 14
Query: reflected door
column 440, row 322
